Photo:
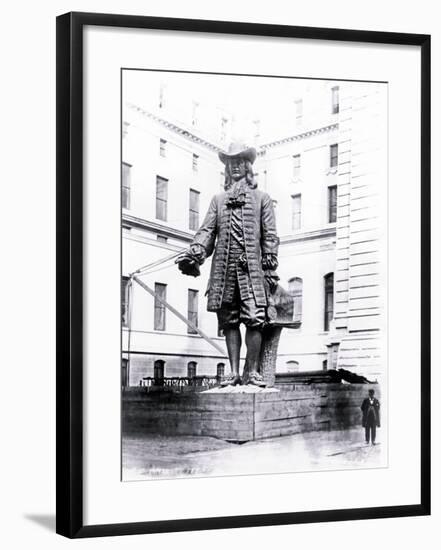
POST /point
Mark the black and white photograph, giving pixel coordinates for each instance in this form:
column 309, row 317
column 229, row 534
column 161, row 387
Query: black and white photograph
column 254, row 219
column 220, row 275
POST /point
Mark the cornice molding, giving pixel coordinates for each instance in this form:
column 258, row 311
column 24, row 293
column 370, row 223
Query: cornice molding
column 177, row 129
column 309, row 133
column 327, row 232
column 261, row 150
column 166, row 231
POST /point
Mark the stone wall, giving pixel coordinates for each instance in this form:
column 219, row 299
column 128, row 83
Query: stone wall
column 360, row 276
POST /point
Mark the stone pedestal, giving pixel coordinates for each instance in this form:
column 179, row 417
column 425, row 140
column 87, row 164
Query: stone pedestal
column 242, row 414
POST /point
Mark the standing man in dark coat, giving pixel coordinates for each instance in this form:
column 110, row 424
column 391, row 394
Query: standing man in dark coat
column 240, row 230
column 371, row 416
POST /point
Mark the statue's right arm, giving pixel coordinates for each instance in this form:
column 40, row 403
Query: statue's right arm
column 206, row 234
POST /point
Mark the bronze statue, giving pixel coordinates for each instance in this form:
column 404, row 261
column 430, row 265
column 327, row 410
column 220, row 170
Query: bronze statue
column 240, row 230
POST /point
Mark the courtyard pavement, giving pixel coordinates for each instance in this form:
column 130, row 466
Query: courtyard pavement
column 159, row 457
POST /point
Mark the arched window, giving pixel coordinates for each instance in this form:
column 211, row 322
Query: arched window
column 329, row 299
column 158, row 372
column 295, row 288
column 292, row 366
column 191, row 369
column 220, row 370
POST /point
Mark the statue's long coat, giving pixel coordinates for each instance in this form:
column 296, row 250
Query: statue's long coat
column 260, row 236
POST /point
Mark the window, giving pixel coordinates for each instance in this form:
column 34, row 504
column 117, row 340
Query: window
column 295, row 288
column 160, row 293
column 194, row 113
column 126, row 185
column 333, row 155
column 296, row 167
column 125, row 297
column 161, row 238
column 161, row 198
column 335, row 100
column 195, row 162
column 325, row 364
column 158, row 372
column 298, row 105
column 332, row 204
column 329, row 299
column 220, row 370
column 191, row 369
column 192, row 309
column 193, row 221
column 162, row 143
column 296, row 201
column 292, row 366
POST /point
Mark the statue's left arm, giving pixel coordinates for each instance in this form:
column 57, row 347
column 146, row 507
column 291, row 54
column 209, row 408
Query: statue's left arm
column 269, row 238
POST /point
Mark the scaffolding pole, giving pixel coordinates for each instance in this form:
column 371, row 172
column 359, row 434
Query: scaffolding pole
column 180, row 316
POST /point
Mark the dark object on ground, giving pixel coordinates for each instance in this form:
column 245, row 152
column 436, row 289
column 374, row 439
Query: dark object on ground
column 321, row 377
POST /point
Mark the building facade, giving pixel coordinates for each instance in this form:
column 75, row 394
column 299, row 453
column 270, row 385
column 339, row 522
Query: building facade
column 317, row 158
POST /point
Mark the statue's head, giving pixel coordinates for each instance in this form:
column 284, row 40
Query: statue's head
column 239, row 164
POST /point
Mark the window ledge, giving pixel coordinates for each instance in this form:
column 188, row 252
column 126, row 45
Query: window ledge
column 332, row 171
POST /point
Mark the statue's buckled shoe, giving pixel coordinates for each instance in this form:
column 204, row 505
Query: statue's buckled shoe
column 232, row 380
column 255, row 379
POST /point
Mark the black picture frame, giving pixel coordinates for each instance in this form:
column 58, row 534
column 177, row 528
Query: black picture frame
column 69, row 294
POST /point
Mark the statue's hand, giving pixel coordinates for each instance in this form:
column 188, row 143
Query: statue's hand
column 198, row 252
column 190, row 260
column 188, row 266
column 270, row 262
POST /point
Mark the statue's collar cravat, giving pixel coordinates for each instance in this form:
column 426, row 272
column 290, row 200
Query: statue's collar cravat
column 236, row 195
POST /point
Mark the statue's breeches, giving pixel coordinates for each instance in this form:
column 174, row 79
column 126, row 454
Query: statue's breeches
column 231, row 314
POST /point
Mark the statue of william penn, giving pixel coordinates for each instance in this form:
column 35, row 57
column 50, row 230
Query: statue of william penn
column 240, row 230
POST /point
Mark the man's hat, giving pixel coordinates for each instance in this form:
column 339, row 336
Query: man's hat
column 240, row 150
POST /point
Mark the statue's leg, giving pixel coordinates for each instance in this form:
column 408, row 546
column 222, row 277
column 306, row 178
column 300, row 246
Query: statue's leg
column 234, row 341
column 253, row 340
column 228, row 318
column 254, row 318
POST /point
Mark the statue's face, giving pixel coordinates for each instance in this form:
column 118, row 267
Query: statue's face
column 237, row 168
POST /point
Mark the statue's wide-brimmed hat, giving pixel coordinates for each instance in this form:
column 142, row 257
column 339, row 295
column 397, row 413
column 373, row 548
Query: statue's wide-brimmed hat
column 239, row 150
